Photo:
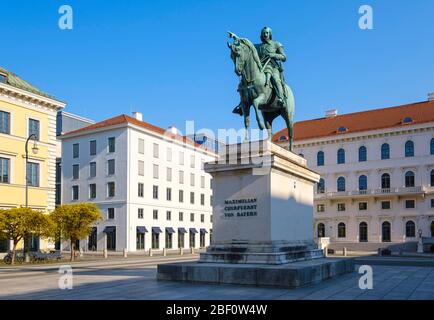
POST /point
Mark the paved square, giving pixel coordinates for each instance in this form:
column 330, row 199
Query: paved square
column 136, row 279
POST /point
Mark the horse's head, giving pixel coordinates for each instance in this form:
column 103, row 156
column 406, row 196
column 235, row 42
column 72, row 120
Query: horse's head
column 238, row 55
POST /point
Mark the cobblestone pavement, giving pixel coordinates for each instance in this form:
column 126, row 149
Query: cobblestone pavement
column 136, row 279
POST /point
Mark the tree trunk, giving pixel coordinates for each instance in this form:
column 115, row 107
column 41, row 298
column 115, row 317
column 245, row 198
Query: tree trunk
column 14, row 249
column 72, row 249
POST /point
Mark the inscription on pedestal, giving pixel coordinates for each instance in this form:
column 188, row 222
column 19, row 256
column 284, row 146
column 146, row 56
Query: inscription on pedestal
column 235, row 208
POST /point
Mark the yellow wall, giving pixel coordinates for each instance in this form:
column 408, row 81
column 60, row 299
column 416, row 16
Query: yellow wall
column 12, row 146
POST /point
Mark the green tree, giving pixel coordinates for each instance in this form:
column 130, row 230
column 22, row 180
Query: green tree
column 20, row 223
column 74, row 222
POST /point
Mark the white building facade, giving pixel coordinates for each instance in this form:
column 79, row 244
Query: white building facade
column 149, row 184
column 377, row 174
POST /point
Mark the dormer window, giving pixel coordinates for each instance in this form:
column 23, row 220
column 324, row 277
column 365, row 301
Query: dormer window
column 342, row 129
column 282, row 138
column 407, row 120
column 3, row 78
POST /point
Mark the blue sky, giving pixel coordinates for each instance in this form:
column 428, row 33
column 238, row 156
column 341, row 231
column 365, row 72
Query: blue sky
column 169, row 60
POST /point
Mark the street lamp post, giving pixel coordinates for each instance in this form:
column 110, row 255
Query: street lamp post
column 35, row 151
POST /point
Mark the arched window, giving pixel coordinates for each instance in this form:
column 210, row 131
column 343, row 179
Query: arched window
column 363, row 232
column 385, row 151
column 409, row 149
column 341, row 230
column 320, row 188
column 410, row 229
column 321, row 230
column 432, row 146
column 341, row 184
column 362, row 154
column 385, row 231
column 432, row 178
column 409, row 179
column 320, row 158
column 341, row 156
column 385, row 181
column 363, row 182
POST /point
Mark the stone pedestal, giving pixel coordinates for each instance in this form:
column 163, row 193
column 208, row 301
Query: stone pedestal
column 262, row 222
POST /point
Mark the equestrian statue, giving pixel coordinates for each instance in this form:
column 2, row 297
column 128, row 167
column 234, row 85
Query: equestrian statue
column 262, row 84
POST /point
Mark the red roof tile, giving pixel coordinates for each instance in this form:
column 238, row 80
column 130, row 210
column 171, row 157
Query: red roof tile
column 391, row 117
column 123, row 119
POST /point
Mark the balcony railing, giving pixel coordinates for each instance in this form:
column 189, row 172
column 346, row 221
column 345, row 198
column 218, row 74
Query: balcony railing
column 374, row 192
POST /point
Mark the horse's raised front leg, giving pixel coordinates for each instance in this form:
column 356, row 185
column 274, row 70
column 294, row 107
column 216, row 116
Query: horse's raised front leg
column 256, row 103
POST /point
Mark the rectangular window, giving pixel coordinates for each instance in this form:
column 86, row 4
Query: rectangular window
column 181, row 158
column 432, row 203
column 34, row 128
column 168, row 215
column 192, row 179
column 168, row 194
column 92, row 169
column 192, row 161
column 181, row 177
column 111, row 189
column 202, row 240
column 181, row 216
column 202, row 199
column 385, row 205
column 320, row 208
column 410, row 204
column 181, row 196
column 168, row 240
column 141, row 165
column 74, row 192
column 75, row 171
column 111, row 144
column 341, row 206
column 140, row 213
column 155, row 214
column 92, row 147
column 363, row 206
column 191, row 217
column 5, row 122
column 111, row 213
column 210, row 200
column 210, row 218
column 140, row 192
column 155, row 171
column 33, row 174
column 141, row 146
column 4, row 170
column 155, row 150
column 180, row 240
column 75, row 150
column 155, row 240
column 92, row 191
column 169, row 154
column 154, row 192
column 202, row 182
column 169, row 174
column 111, row 167
column 202, row 218
column 192, row 197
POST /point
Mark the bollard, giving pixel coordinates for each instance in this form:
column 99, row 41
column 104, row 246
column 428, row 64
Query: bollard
column 150, row 252
column 125, row 253
column 104, row 253
column 325, row 252
column 181, row 251
column 164, row 252
column 344, row 252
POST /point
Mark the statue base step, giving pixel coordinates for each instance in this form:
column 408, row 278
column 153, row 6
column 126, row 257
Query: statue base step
column 274, row 253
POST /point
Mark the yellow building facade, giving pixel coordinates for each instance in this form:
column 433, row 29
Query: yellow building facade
column 26, row 111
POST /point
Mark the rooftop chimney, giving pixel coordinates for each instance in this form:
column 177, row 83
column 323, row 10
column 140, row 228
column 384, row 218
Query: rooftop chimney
column 138, row 115
column 172, row 130
column 331, row 113
column 431, row 96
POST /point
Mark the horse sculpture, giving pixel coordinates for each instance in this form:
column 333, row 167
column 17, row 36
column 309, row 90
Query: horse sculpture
column 254, row 92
